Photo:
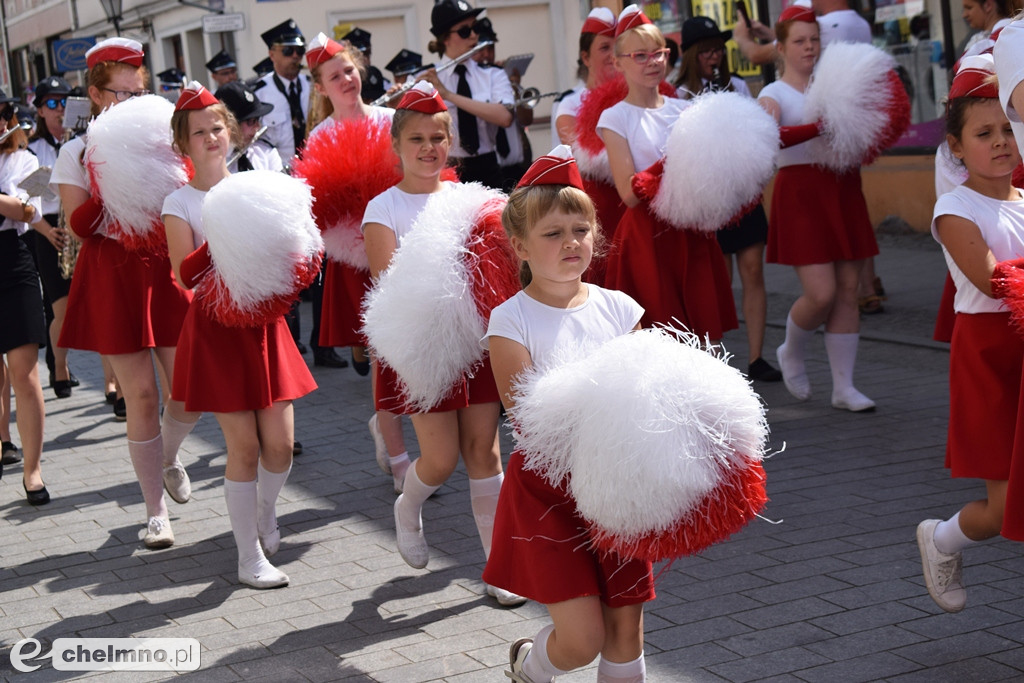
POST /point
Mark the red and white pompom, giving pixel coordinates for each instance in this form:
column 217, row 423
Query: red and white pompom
column 347, row 165
column 132, row 168
column 264, row 245
column 588, row 148
column 662, row 441
column 860, row 99
column 426, row 314
column 719, row 157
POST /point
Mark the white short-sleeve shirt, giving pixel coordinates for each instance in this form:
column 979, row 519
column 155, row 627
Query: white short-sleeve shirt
column 791, row 105
column 68, row 169
column 1009, row 58
column 186, row 203
column 14, row 168
column 646, row 130
column 845, row 26
column 396, row 209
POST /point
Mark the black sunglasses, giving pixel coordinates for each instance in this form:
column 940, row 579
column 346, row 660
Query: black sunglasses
column 289, row 50
column 54, row 102
column 466, row 30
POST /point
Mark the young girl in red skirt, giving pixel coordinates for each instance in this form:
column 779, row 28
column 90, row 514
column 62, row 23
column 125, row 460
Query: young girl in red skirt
column 540, row 540
column 466, row 420
column 676, row 275
column 124, row 303
column 247, row 376
column 979, row 223
column 819, row 225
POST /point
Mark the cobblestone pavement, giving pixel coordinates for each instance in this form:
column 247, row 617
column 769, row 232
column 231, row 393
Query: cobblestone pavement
column 829, row 590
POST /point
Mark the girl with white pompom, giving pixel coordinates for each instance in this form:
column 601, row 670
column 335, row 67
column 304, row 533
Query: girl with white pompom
column 247, row 376
column 540, row 549
column 819, row 225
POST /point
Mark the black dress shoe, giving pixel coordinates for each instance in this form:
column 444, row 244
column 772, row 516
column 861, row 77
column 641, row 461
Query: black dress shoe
column 120, row 410
column 362, row 367
column 296, row 448
column 327, row 357
column 74, row 380
column 10, row 454
column 111, row 397
column 762, row 371
column 40, row 497
column 301, row 347
column 62, row 388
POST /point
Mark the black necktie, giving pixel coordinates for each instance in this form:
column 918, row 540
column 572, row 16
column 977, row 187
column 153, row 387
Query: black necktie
column 501, row 143
column 244, row 164
column 298, row 119
column 469, row 138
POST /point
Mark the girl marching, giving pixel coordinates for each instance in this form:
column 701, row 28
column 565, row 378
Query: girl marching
column 247, row 375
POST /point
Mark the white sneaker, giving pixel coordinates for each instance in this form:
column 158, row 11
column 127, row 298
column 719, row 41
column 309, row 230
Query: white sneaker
column 158, row 533
column 264, row 575
column 378, row 444
column 177, row 483
column 517, row 653
column 852, row 400
column 942, row 572
column 412, row 545
column 505, row 598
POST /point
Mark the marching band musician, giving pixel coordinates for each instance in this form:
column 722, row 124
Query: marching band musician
column 222, row 68
column 286, row 89
column 248, row 111
column 478, row 98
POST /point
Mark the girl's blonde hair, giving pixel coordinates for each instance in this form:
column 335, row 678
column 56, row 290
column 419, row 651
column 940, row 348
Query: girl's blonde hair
column 320, row 107
column 102, row 73
column 527, row 205
column 649, row 33
column 179, row 127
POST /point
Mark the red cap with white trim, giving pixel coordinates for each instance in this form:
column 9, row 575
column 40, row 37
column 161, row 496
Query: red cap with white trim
column 631, row 17
column 321, row 49
column 424, row 98
column 124, row 50
column 195, row 96
column 557, row 167
column 600, row 21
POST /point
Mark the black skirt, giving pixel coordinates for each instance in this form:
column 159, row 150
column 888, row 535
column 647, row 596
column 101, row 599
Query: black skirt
column 21, row 302
column 751, row 229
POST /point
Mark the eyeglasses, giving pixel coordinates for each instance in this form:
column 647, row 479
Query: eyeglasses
column 641, row 57
column 54, row 102
column 289, row 50
column 125, row 95
column 711, row 51
column 466, row 30
column 167, row 87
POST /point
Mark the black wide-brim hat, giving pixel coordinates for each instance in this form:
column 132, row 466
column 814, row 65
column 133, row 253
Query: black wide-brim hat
column 49, row 86
column 241, row 101
column 700, row 28
column 447, row 13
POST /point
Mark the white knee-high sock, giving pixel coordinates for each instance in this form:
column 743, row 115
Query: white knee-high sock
column 792, row 355
column 173, row 432
column 241, row 500
column 842, row 357
column 626, row 672
column 537, row 664
column 147, row 459
column 268, row 486
column 399, row 466
column 950, row 538
column 483, row 496
column 414, row 494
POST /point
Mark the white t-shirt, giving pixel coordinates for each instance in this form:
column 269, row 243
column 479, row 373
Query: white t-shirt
column 646, row 130
column 14, row 168
column 843, row 25
column 569, row 105
column 1009, row 58
column 1002, row 226
column 397, row 209
column 186, row 203
column 544, row 330
column 68, row 170
column 376, row 114
column 791, row 103
column 982, row 40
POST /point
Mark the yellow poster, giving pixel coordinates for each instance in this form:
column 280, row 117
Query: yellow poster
column 723, row 12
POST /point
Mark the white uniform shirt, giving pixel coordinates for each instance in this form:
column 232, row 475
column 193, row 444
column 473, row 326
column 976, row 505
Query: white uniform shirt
column 1002, row 226
column 545, row 330
column 646, row 130
column 487, row 85
column 279, row 122
column 396, row 210
column 843, row 25
column 567, row 106
column 186, row 203
column 262, row 156
column 791, row 103
column 47, row 156
column 14, row 168
column 982, row 40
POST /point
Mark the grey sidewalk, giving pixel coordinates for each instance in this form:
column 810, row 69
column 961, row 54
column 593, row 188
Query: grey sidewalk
column 832, row 591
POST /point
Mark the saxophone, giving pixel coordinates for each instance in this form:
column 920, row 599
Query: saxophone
column 68, row 255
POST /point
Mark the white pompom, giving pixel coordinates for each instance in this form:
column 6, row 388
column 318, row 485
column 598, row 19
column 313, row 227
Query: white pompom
column 344, row 244
column 594, row 166
column 646, row 426
column 719, row 157
column 129, row 152
column 259, row 226
column 850, row 92
column 420, row 316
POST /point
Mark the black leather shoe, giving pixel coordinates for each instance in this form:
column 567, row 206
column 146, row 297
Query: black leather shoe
column 762, row 371
column 10, row 455
column 40, row 497
column 301, row 347
column 362, row 367
column 72, row 379
column 296, row 448
column 62, row 388
column 120, row 410
column 111, row 397
column 327, row 357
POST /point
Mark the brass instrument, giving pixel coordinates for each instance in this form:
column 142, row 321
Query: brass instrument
column 408, row 85
column 68, row 255
column 531, row 97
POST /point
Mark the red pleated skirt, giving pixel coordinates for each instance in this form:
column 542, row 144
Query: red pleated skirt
column 221, row 369
column 540, row 548
column 609, row 208
column 122, row 301
column 986, row 408
column 341, row 316
column 674, row 274
column 470, row 390
column 818, row 216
